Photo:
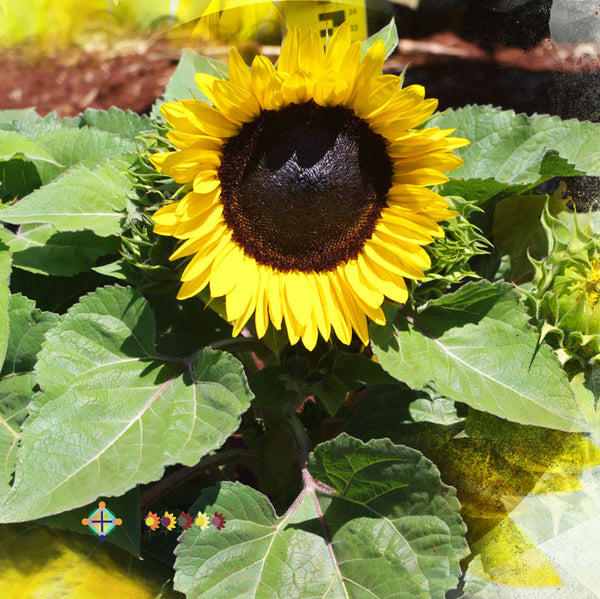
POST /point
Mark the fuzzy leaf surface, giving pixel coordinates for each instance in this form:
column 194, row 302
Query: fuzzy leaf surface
column 512, row 152
column 126, row 124
column 181, row 85
column 44, row 250
column 83, row 198
column 394, row 531
column 27, row 327
column 5, row 270
column 476, row 346
column 111, row 415
column 85, row 147
column 17, row 145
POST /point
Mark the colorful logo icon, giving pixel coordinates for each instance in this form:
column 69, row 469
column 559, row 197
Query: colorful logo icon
column 101, row 521
column 184, row 521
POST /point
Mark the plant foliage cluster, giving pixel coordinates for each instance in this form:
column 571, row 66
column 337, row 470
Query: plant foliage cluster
column 453, row 455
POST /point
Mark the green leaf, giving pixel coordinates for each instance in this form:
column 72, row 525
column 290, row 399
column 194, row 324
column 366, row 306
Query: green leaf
column 388, row 35
column 181, row 85
column 17, row 145
column 331, row 392
column 184, row 326
column 476, row 346
column 125, row 124
column 82, row 147
column 17, row 179
column 28, row 327
column 517, row 151
column 7, row 117
column 83, row 198
column 5, row 268
column 110, row 414
column 357, row 371
column 42, row 249
column 391, row 530
column 15, row 393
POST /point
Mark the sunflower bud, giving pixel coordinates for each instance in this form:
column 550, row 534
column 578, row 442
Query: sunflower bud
column 566, row 286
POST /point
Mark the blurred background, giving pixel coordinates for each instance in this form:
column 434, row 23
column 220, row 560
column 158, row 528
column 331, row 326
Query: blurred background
column 534, row 56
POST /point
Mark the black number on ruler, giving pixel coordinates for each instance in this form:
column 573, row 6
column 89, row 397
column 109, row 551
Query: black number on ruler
column 337, row 18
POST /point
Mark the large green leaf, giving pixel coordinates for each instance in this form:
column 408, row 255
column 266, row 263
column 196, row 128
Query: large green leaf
column 125, row 124
column 83, row 198
column 17, row 179
column 476, row 346
column 17, row 145
column 110, row 414
column 181, row 85
column 15, row 393
column 7, row 117
column 516, row 150
column 86, row 147
column 5, row 268
column 27, row 327
column 390, row 529
column 44, row 250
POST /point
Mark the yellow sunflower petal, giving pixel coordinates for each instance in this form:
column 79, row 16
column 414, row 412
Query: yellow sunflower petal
column 369, row 294
column 243, row 294
column 390, row 285
column 209, row 120
column 239, row 73
column 340, row 297
column 261, row 318
column 338, row 47
column 225, row 270
column 320, row 312
column 274, row 299
column 288, row 57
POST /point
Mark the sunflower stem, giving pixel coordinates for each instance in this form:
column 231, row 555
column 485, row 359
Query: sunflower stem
column 301, row 437
column 243, row 344
column 183, row 475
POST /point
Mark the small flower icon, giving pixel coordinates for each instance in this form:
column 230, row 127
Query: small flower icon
column 202, row 520
column 152, row 521
column 168, row 521
column 218, row 521
column 184, row 521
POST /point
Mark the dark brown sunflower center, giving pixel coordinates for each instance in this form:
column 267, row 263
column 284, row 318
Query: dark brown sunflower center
column 303, row 187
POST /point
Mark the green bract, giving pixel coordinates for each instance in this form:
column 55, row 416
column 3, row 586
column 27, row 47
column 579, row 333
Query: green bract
column 566, row 286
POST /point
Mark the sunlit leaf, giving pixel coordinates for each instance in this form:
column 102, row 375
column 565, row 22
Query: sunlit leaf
column 83, row 198
column 125, row 124
column 5, row 268
column 391, row 530
column 111, row 415
column 476, row 346
column 42, row 249
column 510, row 152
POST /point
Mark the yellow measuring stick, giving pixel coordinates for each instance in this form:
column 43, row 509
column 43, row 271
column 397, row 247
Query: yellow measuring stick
column 326, row 17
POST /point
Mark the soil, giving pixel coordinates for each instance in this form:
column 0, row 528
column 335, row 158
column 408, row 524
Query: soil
column 547, row 78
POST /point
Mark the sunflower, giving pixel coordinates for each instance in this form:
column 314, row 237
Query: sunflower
column 307, row 187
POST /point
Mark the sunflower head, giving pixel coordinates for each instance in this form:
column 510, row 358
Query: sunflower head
column 308, row 199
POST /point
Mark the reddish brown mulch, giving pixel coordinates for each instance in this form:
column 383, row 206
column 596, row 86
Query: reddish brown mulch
column 76, row 80
column 545, row 79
